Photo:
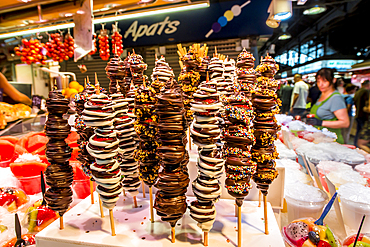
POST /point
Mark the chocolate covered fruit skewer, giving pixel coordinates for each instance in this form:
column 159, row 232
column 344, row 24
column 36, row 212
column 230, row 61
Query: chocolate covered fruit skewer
column 116, row 73
column 266, row 105
column 59, row 174
column 162, row 73
column 205, row 132
column 124, row 127
column 239, row 138
column 173, row 181
column 104, row 146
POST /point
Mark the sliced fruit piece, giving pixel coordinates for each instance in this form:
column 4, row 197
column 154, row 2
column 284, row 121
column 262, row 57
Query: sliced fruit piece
column 6, row 150
column 308, row 221
column 27, row 168
column 351, row 239
column 36, row 142
column 11, row 139
column 12, row 207
column 3, row 228
column 32, row 218
column 322, row 232
column 308, row 243
column 297, row 232
column 331, row 238
column 360, row 244
column 365, row 239
column 323, row 243
column 44, row 214
column 6, row 198
column 21, row 197
column 19, row 149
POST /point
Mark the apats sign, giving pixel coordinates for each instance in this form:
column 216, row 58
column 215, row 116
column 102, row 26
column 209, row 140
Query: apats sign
column 136, row 31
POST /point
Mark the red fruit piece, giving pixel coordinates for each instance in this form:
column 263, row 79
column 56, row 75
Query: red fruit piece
column 11, row 139
column 44, row 214
column 36, row 142
column 6, row 199
column 323, row 243
column 18, row 149
column 351, row 239
column 28, row 168
column 6, row 150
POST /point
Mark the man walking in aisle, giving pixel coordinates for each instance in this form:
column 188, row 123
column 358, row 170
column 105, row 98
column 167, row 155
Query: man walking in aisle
column 361, row 100
column 299, row 97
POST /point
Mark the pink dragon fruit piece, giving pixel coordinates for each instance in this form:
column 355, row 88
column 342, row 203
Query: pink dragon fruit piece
column 297, row 233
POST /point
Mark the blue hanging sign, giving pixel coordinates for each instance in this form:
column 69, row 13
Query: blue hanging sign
column 231, row 19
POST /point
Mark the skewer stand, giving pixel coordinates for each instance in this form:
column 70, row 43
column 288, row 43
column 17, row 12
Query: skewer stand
column 83, row 226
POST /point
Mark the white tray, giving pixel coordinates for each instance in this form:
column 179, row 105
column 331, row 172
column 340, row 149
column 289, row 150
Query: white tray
column 84, row 227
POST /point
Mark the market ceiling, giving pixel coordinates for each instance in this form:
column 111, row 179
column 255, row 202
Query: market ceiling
column 342, row 26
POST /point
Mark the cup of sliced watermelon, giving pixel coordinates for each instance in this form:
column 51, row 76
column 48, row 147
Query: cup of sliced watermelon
column 27, row 169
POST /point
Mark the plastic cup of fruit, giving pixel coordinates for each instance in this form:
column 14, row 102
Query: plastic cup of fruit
column 81, row 188
column 364, row 237
column 30, row 185
column 301, row 205
column 298, row 235
column 364, row 170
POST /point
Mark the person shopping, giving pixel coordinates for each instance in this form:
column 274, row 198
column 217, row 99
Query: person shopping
column 13, row 93
column 330, row 110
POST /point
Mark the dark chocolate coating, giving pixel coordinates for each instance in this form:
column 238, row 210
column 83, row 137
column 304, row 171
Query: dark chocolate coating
column 170, row 208
column 59, row 199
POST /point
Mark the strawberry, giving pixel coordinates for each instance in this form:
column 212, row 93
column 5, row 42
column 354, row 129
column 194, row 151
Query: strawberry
column 44, row 214
column 323, row 243
column 6, row 199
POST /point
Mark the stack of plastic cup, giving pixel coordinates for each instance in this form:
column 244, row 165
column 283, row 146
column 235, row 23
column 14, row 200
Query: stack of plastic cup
column 304, row 201
column 355, row 202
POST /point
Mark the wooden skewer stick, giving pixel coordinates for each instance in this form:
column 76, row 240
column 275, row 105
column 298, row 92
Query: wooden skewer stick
column 265, row 215
column 205, row 238
column 172, row 234
column 216, row 50
column 92, row 191
column 101, row 208
column 61, row 224
column 135, row 202
column 236, row 210
column 239, row 227
column 151, row 204
column 97, row 87
column 124, row 192
column 143, row 187
column 259, row 198
column 111, row 219
column 189, row 139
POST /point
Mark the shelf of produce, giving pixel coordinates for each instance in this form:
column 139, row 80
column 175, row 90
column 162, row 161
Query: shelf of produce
column 84, row 227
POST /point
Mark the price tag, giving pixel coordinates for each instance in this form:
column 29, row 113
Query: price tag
column 338, row 212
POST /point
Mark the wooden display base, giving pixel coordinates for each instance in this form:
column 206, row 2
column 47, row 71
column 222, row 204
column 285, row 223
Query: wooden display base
column 84, row 226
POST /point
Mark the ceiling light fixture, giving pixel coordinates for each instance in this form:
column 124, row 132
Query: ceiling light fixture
column 285, row 35
column 315, row 8
column 282, row 9
column 198, row 5
column 271, row 22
